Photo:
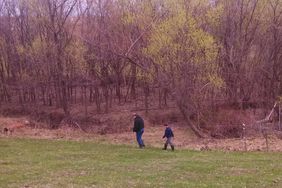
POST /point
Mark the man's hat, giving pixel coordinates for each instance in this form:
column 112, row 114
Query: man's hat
column 134, row 114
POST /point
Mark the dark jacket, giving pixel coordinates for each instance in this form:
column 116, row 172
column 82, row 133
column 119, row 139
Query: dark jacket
column 168, row 133
column 138, row 124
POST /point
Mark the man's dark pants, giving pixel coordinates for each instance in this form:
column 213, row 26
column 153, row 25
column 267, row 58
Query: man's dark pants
column 139, row 138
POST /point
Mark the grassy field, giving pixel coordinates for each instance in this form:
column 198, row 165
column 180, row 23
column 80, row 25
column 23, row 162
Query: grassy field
column 51, row 163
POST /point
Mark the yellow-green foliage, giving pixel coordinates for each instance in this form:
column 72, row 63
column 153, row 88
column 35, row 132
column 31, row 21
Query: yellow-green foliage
column 127, row 18
column 3, row 57
column 72, row 58
column 265, row 14
column 279, row 99
column 38, row 46
column 214, row 15
column 75, row 61
column 179, row 41
column 140, row 14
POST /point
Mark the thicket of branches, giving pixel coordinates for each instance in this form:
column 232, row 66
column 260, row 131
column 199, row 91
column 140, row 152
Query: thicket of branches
column 197, row 53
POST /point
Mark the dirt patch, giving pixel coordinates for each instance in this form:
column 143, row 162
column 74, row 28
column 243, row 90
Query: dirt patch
column 184, row 138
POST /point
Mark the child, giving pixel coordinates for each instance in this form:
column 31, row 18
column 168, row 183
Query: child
column 169, row 137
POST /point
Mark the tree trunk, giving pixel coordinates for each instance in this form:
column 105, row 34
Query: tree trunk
column 97, row 99
column 146, row 93
column 197, row 131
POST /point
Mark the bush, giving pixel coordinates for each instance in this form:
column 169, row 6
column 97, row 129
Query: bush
column 227, row 131
column 160, row 117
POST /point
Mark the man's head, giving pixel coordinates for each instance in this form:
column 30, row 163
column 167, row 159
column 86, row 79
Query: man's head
column 134, row 115
column 165, row 124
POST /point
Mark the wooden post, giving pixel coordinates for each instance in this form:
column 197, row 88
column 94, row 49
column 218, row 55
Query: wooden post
column 85, row 101
column 266, row 140
column 265, row 135
column 244, row 137
column 279, row 116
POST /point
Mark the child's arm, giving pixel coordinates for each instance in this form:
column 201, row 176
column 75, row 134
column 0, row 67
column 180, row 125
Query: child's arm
column 165, row 133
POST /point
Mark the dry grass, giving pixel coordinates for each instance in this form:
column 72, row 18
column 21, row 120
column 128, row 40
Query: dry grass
column 184, row 138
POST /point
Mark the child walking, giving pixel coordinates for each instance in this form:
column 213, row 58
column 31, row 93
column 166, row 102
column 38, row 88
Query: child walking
column 169, row 137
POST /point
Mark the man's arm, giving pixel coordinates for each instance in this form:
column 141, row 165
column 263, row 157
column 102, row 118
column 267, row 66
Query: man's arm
column 135, row 126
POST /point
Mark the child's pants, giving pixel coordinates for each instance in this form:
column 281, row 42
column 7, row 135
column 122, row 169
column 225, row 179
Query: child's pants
column 169, row 141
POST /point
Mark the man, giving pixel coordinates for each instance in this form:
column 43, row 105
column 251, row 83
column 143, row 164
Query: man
column 169, row 137
column 139, row 129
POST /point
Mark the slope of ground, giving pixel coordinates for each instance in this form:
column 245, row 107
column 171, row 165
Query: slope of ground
column 52, row 163
column 184, row 138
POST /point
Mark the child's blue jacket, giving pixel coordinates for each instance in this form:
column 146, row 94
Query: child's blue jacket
column 168, row 133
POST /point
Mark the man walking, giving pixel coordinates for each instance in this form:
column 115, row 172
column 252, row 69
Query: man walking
column 139, row 129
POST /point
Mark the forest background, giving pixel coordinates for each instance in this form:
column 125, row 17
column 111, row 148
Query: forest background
column 73, row 60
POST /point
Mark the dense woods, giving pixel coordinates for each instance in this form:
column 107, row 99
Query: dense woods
column 196, row 54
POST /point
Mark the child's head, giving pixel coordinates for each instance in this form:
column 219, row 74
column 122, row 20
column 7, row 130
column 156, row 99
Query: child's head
column 166, row 125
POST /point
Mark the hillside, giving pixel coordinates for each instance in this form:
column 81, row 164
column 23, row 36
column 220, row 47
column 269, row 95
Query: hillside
column 116, row 127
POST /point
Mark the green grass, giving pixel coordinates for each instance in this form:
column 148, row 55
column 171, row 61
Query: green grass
column 50, row 163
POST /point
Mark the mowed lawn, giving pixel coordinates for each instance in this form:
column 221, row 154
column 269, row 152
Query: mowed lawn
column 51, row 163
